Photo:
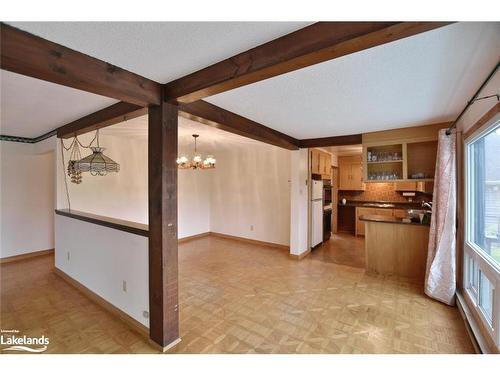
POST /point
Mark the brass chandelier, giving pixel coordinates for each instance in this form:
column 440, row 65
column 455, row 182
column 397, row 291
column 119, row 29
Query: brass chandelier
column 197, row 162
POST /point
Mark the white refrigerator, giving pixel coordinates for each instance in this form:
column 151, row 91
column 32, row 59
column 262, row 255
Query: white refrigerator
column 317, row 213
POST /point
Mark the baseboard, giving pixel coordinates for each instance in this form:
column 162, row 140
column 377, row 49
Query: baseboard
column 248, row 240
column 33, row 254
column 300, row 256
column 131, row 322
column 193, row 237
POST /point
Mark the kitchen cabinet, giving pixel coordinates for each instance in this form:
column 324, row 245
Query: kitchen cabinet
column 321, row 163
column 405, row 186
column 425, row 187
column 420, row 186
column 315, row 161
column 405, row 155
column 399, row 213
column 351, row 173
column 360, row 225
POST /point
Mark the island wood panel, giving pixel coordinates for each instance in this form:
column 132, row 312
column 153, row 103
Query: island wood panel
column 396, row 249
column 360, row 225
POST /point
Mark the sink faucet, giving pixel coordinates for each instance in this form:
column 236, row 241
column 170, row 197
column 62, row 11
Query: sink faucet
column 427, row 204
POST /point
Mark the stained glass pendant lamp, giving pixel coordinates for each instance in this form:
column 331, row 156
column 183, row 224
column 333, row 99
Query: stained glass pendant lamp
column 97, row 163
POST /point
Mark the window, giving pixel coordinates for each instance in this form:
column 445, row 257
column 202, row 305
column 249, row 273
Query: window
column 484, row 194
column 482, row 226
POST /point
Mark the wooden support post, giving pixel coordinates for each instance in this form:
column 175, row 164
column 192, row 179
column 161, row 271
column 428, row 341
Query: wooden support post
column 163, row 267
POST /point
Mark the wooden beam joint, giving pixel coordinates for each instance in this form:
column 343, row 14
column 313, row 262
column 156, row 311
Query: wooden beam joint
column 32, row 56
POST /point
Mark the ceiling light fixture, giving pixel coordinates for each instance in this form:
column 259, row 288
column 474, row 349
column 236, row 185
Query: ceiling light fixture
column 197, row 162
column 97, row 163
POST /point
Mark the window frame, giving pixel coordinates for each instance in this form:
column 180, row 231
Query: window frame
column 472, row 252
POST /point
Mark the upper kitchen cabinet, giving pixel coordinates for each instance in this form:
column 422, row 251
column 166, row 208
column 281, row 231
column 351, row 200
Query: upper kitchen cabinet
column 351, row 173
column 321, row 163
column 420, row 186
column 401, row 156
column 384, row 162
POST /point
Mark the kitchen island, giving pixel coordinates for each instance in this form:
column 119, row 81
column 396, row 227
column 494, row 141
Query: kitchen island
column 395, row 247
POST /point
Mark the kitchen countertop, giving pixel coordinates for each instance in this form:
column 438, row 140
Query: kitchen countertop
column 380, row 204
column 387, row 219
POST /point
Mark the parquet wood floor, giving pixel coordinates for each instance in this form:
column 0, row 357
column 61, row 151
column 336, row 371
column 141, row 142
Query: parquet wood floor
column 238, row 297
column 342, row 248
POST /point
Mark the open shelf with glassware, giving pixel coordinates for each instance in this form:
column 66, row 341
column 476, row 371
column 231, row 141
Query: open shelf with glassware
column 384, row 162
column 409, row 160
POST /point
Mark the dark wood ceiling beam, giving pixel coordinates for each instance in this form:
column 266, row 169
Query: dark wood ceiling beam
column 341, row 140
column 220, row 118
column 313, row 44
column 111, row 115
column 32, row 56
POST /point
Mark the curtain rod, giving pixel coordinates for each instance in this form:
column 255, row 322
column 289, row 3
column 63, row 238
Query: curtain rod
column 474, row 98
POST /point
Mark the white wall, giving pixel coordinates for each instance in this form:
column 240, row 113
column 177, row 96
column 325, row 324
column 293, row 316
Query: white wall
column 299, row 227
column 251, row 187
column 27, row 175
column 124, row 195
column 102, row 259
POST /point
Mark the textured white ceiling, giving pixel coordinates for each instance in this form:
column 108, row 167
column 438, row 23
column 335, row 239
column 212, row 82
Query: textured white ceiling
column 161, row 51
column 31, row 107
column 419, row 80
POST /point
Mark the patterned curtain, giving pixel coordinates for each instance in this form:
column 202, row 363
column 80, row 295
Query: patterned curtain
column 440, row 276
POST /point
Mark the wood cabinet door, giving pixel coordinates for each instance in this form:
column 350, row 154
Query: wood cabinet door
column 321, row 163
column 405, row 186
column 344, row 176
column 315, row 159
column 357, row 176
column 383, row 211
column 399, row 213
column 425, row 187
column 360, row 225
column 327, row 164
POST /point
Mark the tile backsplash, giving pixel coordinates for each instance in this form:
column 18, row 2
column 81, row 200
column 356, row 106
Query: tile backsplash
column 383, row 191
